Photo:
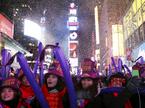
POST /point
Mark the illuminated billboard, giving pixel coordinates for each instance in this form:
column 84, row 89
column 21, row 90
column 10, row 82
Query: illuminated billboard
column 32, row 29
column 73, row 47
column 97, row 26
column 6, row 26
column 117, row 40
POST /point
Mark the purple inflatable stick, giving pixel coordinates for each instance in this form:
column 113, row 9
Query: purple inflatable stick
column 120, row 65
column 40, row 46
column 113, row 63
column 128, row 70
column 4, row 54
column 26, row 69
column 67, row 77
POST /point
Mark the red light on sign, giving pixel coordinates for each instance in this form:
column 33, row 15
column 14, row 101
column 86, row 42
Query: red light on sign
column 73, row 49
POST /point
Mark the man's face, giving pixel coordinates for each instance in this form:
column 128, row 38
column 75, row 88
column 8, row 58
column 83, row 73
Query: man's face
column 116, row 82
column 52, row 80
column 7, row 94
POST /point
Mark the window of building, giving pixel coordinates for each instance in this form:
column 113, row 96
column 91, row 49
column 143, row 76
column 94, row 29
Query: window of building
column 143, row 12
column 138, row 4
column 143, row 1
column 144, row 29
column 139, row 18
column 136, row 36
column 134, row 24
column 141, row 33
column 134, row 6
column 132, row 41
column 129, row 42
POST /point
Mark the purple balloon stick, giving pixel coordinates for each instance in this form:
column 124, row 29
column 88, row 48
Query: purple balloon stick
column 40, row 46
column 110, row 70
column 67, row 77
column 4, row 54
column 9, row 66
column 113, row 63
column 41, row 70
column 128, row 70
column 142, row 60
column 120, row 65
column 26, row 69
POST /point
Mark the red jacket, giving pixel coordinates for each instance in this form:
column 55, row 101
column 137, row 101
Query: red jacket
column 54, row 99
column 27, row 92
column 20, row 105
column 128, row 104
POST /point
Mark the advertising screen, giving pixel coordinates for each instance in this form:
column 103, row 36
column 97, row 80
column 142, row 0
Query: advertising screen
column 32, row 29
column 6, row 26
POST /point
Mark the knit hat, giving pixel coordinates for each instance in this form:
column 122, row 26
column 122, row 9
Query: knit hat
column 55, row 69
column 10, row 82
column 89, row 75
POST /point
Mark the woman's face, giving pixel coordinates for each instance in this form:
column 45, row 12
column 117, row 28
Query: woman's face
column 86, row 82
column 7, row 94
column 52, row 80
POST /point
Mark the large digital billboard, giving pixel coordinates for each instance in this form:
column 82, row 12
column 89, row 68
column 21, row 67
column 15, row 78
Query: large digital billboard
column 6, row 26
column 32, row 29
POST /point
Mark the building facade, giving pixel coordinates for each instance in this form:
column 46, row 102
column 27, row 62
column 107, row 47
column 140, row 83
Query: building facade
column 134, row 30
column 111, row 31
column 87, row 37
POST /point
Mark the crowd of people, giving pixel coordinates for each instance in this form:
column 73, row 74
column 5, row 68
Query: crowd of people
column 117, row 90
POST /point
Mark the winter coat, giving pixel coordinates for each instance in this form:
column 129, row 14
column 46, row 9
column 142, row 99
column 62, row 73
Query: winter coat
column 83, row 98
column 20, row 105
column 138, row 100
column 27, row 93
column 111, row 98
column 54, row 98
column 137, row 87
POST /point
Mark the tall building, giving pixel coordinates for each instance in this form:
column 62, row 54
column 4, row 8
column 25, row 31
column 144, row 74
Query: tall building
column 16, row 11
column 86, row 19
column 111, row 31
column 134, row 30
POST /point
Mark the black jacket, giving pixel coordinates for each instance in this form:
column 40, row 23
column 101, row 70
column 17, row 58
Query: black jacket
column 110, row 98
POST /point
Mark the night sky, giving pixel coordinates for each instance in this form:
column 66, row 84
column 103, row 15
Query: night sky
column 56, row 18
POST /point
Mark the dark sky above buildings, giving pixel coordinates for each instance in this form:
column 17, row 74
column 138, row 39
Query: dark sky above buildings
column 56, row 16
column 56, row 12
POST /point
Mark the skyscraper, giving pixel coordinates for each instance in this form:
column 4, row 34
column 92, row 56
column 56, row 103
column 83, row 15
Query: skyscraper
column 110, row 15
